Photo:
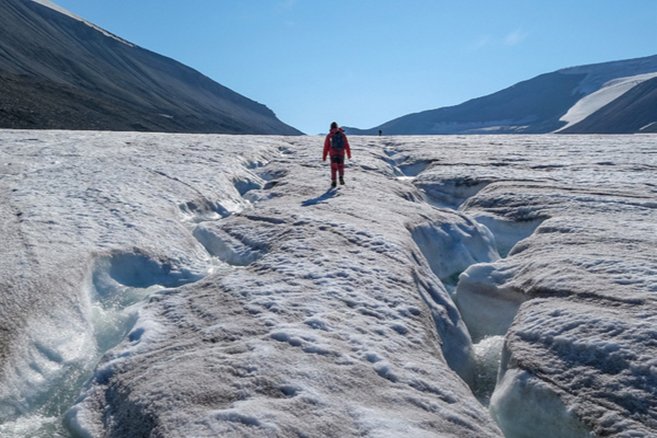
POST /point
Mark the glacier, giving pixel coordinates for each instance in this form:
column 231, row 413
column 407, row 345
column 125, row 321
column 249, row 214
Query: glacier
column 212, row 285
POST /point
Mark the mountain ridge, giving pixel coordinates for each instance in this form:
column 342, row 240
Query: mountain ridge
column 61, row 72
column 536, row 105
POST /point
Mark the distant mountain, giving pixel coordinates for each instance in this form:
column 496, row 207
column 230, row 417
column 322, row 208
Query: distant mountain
column 58, row 71
column 612, row 97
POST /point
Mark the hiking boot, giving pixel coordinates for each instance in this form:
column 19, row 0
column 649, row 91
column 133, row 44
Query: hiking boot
column 333, row 184
column 341, row 180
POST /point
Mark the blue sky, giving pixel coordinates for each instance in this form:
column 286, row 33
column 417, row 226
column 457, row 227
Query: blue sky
column 364, row 62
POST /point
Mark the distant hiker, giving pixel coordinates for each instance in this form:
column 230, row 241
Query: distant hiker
column 336, row 145
column 380, row 132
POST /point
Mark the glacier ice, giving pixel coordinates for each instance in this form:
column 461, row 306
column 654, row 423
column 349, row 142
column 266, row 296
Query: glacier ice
column 233, row 295
column 573, row 219
column 228, row 302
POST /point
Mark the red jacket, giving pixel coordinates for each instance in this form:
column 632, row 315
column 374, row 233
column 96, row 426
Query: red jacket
column 327, row 145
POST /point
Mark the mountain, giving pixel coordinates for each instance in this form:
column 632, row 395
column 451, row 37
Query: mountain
column 58, row 71
column 609, row 97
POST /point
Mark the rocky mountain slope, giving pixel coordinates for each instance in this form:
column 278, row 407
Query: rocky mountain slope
column 58, row 71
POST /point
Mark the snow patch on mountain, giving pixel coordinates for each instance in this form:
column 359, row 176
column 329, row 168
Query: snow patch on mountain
column 649, row 127
column 598, row 99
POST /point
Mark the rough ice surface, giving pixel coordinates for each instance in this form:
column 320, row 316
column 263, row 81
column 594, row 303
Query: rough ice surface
column 211, row 286
column 206, row 285
column 579, row 356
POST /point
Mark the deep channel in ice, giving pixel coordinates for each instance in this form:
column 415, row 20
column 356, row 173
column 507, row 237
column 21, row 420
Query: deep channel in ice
column 487, row 306
column 461, row 253
column 488, row 353
column 56, row 361
column 233, row 249
column 525, row 406
column 121, row 282
column 62, row 357
column 507, row 232
column 450, row 248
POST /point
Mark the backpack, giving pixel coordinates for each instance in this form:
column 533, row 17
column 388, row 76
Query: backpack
column 337, row 140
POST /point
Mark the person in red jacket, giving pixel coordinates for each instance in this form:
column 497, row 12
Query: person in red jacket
column 336, row 146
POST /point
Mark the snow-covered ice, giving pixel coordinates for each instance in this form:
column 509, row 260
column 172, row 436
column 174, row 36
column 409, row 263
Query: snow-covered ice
column 205, row 285
column 212, row 286
column 581, row 274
